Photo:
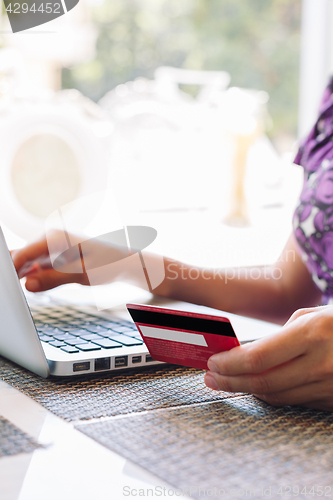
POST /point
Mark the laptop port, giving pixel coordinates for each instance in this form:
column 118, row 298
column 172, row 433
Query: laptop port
column 102, row 364
column 149, row 359
column 120, row 361
column 81, row 367
column 136, row 359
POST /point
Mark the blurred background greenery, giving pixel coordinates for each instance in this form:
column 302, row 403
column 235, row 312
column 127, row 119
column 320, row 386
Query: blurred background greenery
column 256, row 41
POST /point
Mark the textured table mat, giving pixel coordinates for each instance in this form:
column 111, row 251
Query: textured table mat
column 166, row 420
column 13, row 441
column 239, row 447
column 112, row 394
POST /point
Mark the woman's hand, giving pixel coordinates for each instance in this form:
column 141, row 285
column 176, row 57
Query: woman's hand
column 60, row 259
column 34, row 263
column 292, row 367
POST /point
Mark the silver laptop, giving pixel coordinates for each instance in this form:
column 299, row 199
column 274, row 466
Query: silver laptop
column 59, row 339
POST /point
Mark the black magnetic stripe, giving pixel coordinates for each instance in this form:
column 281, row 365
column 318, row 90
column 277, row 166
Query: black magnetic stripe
column 182, row 322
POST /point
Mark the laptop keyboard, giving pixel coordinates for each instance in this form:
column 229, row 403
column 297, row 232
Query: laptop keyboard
column 75, row 331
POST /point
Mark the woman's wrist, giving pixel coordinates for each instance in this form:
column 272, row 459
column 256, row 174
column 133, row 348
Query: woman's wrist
column 169, row 286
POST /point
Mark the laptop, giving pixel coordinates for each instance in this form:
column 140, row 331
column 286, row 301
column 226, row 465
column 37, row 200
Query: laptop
column 59, row 339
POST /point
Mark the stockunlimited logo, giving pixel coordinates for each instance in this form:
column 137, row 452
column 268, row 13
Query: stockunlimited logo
column 28, row 14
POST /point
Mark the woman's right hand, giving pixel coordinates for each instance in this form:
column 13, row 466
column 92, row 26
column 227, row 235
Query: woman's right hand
column 33, row 262
column 66, row 258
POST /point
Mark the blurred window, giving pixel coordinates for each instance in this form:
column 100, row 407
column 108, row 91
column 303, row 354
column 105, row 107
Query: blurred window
column 257, row 42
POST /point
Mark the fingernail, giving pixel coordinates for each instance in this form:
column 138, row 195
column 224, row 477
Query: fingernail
column 32, row 285
column 212, row 366
column 211, row 382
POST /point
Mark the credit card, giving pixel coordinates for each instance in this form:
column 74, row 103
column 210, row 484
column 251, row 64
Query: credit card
column 180, row 337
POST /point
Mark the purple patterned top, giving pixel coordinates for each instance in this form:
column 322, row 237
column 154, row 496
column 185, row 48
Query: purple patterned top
column 313, row 219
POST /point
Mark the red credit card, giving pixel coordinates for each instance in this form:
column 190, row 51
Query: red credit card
column 182, row 338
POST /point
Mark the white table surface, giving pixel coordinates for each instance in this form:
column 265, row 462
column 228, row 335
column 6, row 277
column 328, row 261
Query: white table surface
column 70, row 466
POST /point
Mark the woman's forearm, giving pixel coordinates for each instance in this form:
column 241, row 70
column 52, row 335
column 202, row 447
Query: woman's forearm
column 250, row 291
column 269, row 293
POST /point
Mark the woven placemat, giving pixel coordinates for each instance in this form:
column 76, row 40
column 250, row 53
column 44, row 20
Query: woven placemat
column 13, row 441
column 239, row 447
column 87, row 397
column 192, row 437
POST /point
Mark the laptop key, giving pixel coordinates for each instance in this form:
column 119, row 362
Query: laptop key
column 128, row 324
column 77, row 331
column 121, row 329
column 131, row 326
column 106, row 334
column 64, row 337
column 60, row 325
column 108, row 324
column 76, row 341
column 107, row 343
column 45, row 338
column 57, row 343
column 96, row 328
column 88, row 347
column 90, row 336
column 73, row 323
column 51, row 330
column 70, row 349
column 113, row 334
column 127, row 341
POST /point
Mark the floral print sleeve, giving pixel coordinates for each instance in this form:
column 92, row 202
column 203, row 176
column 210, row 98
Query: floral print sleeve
column 313, row 218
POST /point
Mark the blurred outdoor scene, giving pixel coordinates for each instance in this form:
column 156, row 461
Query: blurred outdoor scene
column 257, row 42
